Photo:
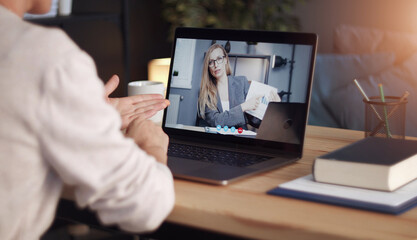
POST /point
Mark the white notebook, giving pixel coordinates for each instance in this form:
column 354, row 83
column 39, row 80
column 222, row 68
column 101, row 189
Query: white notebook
column 306, row 188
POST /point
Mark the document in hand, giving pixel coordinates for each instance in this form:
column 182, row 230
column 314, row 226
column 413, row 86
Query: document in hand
column 265, row 93
column 306, row 188
column 374, row 163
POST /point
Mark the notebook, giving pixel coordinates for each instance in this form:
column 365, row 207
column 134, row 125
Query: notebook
column 213, row 138
column 306, row 188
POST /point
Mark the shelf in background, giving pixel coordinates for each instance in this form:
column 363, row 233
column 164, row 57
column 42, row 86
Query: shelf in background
column 59, row 20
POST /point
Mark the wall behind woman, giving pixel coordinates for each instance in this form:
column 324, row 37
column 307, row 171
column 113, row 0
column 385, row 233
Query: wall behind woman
column 323, row 16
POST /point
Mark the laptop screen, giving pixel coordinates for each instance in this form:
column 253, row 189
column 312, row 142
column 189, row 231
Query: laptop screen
column 222, row 82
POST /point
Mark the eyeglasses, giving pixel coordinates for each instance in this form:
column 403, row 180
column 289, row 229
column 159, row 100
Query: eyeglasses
column 219, row 60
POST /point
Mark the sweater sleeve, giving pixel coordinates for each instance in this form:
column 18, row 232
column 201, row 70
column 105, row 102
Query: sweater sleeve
column 81, row 140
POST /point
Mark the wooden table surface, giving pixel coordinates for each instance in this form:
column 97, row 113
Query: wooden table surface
column 244, row 209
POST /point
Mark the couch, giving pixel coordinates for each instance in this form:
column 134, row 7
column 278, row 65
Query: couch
column 372, row 56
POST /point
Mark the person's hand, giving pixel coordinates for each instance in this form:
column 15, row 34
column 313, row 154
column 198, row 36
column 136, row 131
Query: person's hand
column 149, row 137
column 251, row 104
column 274, row 97
column 145, row 105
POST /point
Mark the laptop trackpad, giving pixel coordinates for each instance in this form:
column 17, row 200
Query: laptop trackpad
column 220, row 172
column 201, row 170
column 182, row 166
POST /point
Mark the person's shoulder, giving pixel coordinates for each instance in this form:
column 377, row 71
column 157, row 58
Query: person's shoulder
column 55, row 37
column 47, row 41
column 239, row 81
column 238, row 78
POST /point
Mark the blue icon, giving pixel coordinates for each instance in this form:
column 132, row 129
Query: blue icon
column 232, row 129
column 219, row 127
column 226, row 128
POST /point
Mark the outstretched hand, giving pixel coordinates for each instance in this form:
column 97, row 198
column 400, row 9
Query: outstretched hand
column 274, row 97
column 132, row 107
column 251, row 104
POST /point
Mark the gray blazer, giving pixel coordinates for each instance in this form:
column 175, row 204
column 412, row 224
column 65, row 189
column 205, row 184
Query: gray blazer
column 238, row 87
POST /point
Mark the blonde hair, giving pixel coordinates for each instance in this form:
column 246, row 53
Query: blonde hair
column 208, row 85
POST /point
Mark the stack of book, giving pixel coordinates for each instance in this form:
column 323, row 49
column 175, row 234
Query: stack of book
column 374, row 173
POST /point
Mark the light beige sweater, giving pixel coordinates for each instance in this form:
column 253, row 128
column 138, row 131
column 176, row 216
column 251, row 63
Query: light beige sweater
column 55, row 129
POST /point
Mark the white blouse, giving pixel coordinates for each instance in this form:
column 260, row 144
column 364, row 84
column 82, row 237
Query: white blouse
column 225, row 105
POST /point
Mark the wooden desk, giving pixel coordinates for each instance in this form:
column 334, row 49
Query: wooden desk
column 244, row 209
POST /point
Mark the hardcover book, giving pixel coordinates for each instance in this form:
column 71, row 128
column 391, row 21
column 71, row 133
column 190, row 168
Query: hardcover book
column 374, row 163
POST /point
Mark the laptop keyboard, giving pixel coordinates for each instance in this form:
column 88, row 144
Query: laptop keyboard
column 211, row 155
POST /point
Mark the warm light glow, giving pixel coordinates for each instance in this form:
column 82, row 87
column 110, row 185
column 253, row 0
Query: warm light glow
column 158, row 70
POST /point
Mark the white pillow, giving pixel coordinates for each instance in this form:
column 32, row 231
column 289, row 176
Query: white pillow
column 360, row 40
column 347, row 103
column 335, row 71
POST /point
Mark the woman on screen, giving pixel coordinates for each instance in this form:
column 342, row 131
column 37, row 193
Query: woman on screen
column 222, row 97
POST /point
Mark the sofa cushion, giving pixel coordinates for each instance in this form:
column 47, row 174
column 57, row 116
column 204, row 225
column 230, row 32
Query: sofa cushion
column 349, row 39
column 335, row 71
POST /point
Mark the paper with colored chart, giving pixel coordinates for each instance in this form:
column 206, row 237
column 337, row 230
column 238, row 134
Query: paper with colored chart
column 265, row 92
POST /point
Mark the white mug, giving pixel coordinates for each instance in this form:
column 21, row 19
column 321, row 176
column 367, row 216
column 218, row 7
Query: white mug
column 148, row 87
column 65, row 7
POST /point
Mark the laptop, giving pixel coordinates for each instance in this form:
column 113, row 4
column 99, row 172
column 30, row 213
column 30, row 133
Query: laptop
column 222, row 141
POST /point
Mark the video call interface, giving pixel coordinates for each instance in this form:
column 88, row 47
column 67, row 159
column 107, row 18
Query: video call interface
column 225, row 87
